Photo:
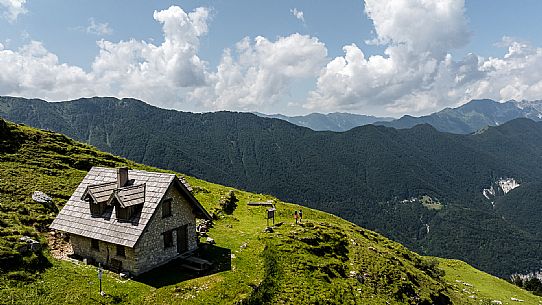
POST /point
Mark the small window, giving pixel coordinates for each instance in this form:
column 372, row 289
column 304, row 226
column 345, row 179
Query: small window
column 168, row 239
column 120, row 251
column 122, row 213
column 96, row 209
column 166, row 208
column 95, row 244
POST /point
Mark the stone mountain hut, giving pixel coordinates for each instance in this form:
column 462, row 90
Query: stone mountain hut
column 131, row 220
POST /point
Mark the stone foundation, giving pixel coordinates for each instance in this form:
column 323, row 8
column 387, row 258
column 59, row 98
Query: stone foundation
column 82, row 247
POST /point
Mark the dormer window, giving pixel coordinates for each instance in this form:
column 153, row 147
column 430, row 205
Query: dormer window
column 122, row 194
column 123, row 213
column 96, row 209
column 127, row 201
column 97, row 197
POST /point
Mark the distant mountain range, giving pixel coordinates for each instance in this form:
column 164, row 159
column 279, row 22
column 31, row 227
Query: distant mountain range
column 336, row 121
column 464, row 119
column 472, row 116
column 424, row 188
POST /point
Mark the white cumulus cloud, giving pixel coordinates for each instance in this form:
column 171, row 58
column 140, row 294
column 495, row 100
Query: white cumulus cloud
column 417, row 35
column 157, row 73
column 517, row 75
column 13, row 8
column 34, row 71
column 261, row 73
column 256, row 72
column 415, row 73
column 434, row 26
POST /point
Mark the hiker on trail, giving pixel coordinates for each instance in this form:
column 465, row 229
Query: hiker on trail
column 296, row 216
column 300, row 215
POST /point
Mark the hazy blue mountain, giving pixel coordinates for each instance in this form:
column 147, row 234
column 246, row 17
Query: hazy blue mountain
column 425, row 188
column 336, row 121
column 472, row 116
column 464, row 119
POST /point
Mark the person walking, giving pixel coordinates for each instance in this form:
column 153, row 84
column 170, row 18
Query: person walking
column 300, row 215
column 296, row 216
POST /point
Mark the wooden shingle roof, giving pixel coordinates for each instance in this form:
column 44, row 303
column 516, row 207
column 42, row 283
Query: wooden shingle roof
column 129, row 196
column 100, row 192
column 75, row 216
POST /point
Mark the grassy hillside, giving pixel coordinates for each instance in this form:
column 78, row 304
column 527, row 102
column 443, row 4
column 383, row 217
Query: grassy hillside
column 477, row 285
column 324, row 260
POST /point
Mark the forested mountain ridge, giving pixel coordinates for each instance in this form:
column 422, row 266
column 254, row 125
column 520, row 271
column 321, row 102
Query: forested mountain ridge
column 336, row 121
column 419, row 186
column 472, row 116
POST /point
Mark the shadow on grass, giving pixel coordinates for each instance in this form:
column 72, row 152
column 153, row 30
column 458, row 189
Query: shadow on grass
column 173, row 272
column 24, row 265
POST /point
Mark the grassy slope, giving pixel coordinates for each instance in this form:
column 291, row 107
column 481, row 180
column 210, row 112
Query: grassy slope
column 326, row 260
column 484, row 286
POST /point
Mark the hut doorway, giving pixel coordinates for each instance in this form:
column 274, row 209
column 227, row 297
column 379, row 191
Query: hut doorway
column 182, row 239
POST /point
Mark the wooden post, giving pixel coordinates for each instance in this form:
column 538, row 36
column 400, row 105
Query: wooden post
column 271, row 215
column 100, row 275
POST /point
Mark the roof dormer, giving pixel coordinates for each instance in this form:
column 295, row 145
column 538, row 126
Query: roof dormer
column 127, row 200
column 97, row 196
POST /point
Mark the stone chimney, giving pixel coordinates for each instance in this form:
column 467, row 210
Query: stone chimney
column 122, row 176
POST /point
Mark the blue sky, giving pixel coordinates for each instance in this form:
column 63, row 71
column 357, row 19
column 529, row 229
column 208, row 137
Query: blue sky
column 473, row 49
column 55, row 25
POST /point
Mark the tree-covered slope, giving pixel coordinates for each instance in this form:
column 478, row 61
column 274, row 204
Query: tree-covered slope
column 324, row 260
column 372, row 175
